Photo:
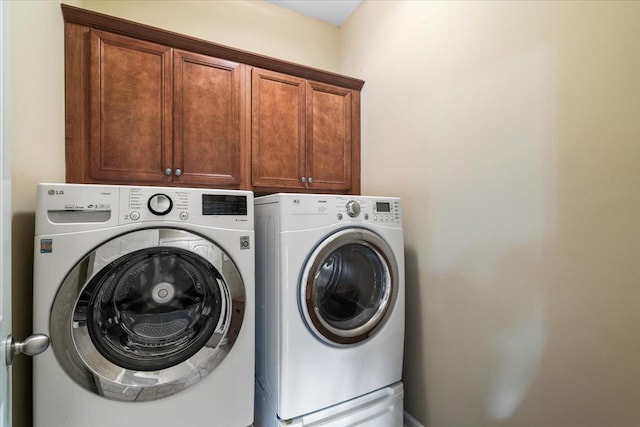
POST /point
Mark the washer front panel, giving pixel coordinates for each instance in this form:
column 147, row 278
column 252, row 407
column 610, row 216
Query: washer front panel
column 348, row 286
column 147, row 314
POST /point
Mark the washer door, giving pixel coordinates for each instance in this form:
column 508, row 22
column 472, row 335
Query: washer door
column 348, row 286
column 147, row 314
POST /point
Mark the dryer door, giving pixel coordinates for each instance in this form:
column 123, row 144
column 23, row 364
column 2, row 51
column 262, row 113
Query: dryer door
column 147, row 314
column 349, row 286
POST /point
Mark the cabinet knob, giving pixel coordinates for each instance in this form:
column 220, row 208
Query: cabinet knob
column 310, row 180
column 178, row 172
column 303, row 179
column 168, row 171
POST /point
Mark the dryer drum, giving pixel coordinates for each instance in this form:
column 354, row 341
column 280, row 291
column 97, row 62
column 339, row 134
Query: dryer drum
column 147, row 314
column 349, row 286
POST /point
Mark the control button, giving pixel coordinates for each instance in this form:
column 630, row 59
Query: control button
column 366, row 216
column 134, row 215
column 160, row 204
column 184, row 216
column 375, row 217
column 339, row 216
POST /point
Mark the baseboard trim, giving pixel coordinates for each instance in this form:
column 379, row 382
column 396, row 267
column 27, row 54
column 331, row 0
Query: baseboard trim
column 409, row 421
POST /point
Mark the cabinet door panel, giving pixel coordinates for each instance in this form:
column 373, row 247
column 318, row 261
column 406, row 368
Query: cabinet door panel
column 329, row 142
column 131, row 123
column 207, row 120
column 278, row 130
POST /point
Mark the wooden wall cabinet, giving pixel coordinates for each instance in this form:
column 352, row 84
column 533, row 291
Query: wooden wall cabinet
column 208, row 134
column 145, row 106
column 302, row 134
column 160, row 116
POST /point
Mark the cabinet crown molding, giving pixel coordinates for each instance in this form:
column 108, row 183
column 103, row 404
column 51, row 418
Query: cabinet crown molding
column 125, row 27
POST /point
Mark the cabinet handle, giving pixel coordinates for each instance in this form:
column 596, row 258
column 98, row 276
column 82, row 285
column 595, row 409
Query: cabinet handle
column 178, row 172
column 168, row 171
column 303, row 179
column 310, row 180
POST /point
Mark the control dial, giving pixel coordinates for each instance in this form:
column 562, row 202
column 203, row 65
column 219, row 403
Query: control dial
column 160, row 204
column 353, row 208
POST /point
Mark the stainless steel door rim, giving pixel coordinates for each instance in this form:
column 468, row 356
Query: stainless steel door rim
column 348, row 286
column 120, row 322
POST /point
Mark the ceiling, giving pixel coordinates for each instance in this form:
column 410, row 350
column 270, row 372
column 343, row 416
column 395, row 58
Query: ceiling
column 334, row 12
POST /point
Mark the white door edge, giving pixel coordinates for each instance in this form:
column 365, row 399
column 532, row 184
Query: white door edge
column 5, row 226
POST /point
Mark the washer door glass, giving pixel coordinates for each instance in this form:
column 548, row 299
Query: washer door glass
column 147, row 314
column 151, row 309
column 348, row 286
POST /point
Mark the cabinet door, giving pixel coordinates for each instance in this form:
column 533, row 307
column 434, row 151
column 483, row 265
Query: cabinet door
column 130, row 109
column 328, row 140
column 278, row 130
column 208, row 146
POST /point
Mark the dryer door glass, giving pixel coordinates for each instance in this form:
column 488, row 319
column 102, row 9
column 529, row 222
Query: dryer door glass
column 147, row 314
column 348, row 286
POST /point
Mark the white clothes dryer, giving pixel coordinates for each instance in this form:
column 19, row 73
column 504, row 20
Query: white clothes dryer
column 330, row 299
column 147, row 294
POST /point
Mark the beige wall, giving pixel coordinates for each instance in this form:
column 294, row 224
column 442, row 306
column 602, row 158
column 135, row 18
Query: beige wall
column 512, row 132
column 253, row 25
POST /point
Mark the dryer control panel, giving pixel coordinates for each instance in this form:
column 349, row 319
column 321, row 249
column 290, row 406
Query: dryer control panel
column 378, row 210
column 304, row 211
column 386, row 211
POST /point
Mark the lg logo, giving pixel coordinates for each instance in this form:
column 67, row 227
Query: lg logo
column 56, row 192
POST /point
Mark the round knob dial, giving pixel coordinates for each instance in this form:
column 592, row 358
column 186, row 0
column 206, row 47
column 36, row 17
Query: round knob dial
column 160, row 204
column 353, row 208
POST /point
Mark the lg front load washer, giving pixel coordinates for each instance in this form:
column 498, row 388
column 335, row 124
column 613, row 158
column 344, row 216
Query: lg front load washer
column 330, row 301
column 147, row 294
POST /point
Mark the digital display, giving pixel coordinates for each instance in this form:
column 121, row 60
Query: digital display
column 383, row 207
column 220, row 204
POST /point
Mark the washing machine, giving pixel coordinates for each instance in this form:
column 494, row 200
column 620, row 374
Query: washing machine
column 329, row 302
column 147, row 295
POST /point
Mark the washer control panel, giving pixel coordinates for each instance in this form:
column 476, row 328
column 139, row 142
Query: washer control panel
column 77, row 207
column 196, row 206
column 147, row 203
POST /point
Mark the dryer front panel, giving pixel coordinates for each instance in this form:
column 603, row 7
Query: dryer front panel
column 348, row 286
column 147, row 314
